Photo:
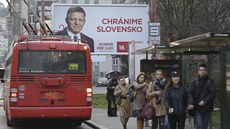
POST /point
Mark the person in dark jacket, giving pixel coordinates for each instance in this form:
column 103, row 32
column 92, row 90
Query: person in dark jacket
column 176, row 101
column 203, row 92
column 112, row 109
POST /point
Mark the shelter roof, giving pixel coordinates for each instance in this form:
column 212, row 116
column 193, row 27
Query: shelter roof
column 200, row 43
column 204, row 40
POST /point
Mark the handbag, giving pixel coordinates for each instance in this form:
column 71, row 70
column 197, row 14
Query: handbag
column 113, row 110
column 147, row 111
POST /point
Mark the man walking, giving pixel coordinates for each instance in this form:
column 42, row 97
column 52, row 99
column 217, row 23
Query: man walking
column 203, row 92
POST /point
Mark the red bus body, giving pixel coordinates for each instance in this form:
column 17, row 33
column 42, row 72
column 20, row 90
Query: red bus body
column 48, row 79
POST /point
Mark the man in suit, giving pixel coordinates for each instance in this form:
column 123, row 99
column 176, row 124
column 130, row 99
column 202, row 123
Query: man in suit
column 75, row 20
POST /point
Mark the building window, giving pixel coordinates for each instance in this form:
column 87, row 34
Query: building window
column 115, row 61
column 96, row 64
column 96, row 1
column 114, row 1
column 86, row 1
column 75, row 1
column 63, row 1
column 31, row 18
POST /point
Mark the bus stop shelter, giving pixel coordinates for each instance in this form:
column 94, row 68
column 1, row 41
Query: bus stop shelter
column 213, row 49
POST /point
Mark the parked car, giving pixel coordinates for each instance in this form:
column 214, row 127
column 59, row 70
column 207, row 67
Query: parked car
column 102, row 81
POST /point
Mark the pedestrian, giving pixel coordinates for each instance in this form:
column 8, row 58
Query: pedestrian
column 177, row 100
column 124, row 106
column 112, row 109
column 203, row 92
column 140, row 87
column 155, row 93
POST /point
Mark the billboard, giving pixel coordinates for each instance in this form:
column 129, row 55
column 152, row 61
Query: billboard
column 112, row 27
column 47, row 9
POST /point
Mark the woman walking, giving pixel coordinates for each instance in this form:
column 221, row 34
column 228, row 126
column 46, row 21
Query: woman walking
column 112, row 109
column 155, row 93
column 124, row 106
column 140, row 87
column 176, row 101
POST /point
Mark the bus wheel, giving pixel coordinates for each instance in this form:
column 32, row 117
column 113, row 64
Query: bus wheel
column 10, row 122
column 77, row 123
column 73, row 123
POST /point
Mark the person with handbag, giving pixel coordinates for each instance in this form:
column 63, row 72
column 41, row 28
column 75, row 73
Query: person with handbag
column 123, row 105
column 177, row 100
column 140, row 87
column 155, row 93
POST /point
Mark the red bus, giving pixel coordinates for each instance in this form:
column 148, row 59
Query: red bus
column 48, row 78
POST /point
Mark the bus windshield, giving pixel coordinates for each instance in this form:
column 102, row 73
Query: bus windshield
column 52, row 62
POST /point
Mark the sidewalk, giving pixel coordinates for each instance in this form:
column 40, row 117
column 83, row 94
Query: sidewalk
column 100, row 120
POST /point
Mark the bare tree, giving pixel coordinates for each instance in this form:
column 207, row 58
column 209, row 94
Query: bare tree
column 184, row 18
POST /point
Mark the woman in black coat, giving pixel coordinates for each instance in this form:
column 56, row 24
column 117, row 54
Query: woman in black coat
column 177, row 100
column 112, row 109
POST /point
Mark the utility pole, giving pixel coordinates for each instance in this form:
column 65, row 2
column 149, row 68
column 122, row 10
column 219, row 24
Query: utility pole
column 152, row 13
column 154, row 29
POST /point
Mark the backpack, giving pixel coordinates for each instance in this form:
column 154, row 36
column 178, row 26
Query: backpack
column 131, row 93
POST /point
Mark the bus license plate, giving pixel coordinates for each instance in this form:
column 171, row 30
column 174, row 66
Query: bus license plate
column 52, row 94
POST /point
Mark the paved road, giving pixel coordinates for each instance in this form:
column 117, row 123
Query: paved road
column 38, row 124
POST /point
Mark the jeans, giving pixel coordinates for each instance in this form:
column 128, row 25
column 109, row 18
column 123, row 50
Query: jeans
column 166, row 122
column 202, row 119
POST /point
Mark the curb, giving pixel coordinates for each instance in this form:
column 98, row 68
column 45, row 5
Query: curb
column 95, row 125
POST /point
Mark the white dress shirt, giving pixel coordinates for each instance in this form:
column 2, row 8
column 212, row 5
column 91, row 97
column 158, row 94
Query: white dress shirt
column 71, row 34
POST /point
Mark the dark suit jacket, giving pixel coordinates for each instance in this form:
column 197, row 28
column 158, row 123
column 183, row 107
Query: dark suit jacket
column 84, row 38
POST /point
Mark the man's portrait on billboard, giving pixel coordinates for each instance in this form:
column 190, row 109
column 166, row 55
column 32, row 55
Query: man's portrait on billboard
column 75, row 20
